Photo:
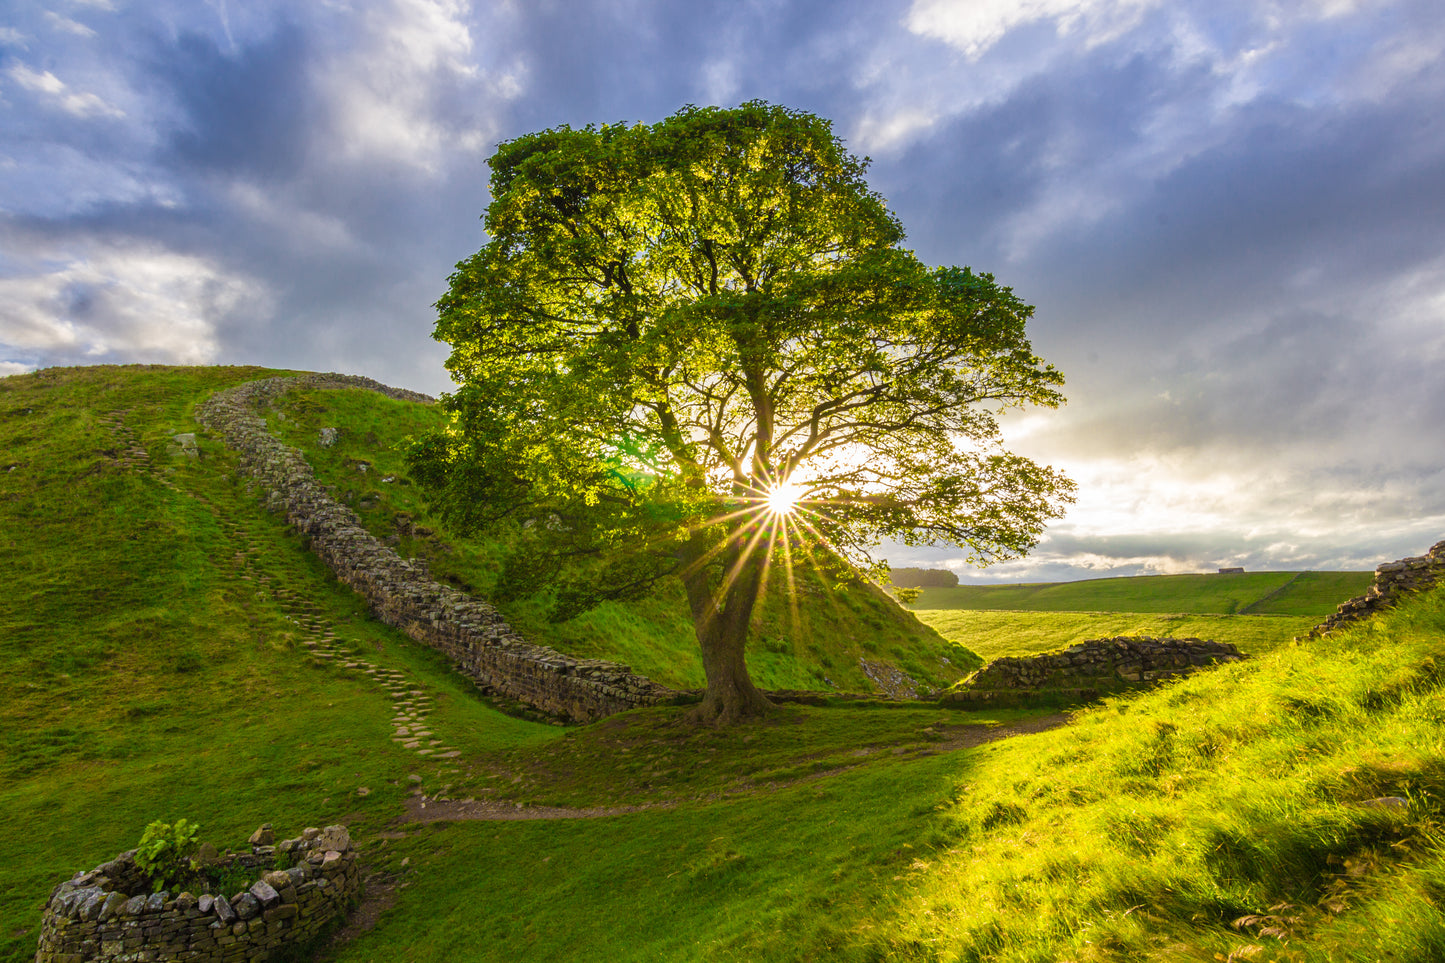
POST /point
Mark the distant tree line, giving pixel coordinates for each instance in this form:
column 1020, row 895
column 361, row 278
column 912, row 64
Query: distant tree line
column 922, row 577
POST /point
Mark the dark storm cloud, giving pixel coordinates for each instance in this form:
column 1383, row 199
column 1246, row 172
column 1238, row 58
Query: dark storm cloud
column 246, row 112
column 1354, row 196
column 961, row 186
column 603, row 63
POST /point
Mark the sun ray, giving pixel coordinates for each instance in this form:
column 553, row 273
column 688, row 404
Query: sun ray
column 772, row 533
column 737, row 566
column 795, row 615
column 807, row 544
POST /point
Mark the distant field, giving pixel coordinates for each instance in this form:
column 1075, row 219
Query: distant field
column 992, row 634
column 1257, row 611
column 1252, row 593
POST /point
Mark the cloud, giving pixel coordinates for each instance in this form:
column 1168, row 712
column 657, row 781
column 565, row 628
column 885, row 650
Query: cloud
column 251, row 113
column 67, row 25
column 78, row 104
column 974, row 26
column 122, row 301
column 394, row 92
column 54, row 180
column 1227, row 213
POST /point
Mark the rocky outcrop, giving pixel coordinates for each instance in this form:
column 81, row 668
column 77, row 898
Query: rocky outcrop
column 110, row 912
column 892, row 681
column 1392, row 580
column 1091, row 669
column 399, row 591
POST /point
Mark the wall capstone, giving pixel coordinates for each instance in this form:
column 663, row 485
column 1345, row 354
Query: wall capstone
column 399, row 591
column 110, row 913
column 1392, row 580
column 1091, row 669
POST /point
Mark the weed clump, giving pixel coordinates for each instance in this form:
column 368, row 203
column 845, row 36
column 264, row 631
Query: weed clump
column 165, row 853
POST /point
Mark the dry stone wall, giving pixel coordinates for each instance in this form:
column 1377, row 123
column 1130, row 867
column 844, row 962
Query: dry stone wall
column 111, row 914
column 1091, row 669
column 1392, row 580
column 399, row 591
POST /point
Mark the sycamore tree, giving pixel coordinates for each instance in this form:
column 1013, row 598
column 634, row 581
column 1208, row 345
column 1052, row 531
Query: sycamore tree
column 697, row 350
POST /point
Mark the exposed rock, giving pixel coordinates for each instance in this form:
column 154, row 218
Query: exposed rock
column 247, row 905
column 890, row 680
column 332, row 837
column 265, row 894
column 224, row 911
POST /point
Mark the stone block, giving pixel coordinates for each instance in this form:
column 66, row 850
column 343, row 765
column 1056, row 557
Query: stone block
column 246, row 905
column 285, row 911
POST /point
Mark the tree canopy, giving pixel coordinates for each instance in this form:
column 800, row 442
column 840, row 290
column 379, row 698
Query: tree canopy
column 689, row 346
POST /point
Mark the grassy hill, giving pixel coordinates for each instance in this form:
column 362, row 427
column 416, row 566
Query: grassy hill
column 155, row 662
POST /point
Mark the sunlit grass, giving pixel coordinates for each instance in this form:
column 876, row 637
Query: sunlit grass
column 1150, row 826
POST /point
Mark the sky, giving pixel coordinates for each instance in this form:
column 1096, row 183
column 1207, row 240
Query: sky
column 1229, row 215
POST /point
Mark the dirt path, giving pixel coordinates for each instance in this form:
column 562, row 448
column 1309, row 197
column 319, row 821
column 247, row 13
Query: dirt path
column 420, row 809
column 966, row 737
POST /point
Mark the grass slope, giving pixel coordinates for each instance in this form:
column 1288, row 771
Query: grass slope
column 1222, row 817
column 152, row 646
column 150, row 664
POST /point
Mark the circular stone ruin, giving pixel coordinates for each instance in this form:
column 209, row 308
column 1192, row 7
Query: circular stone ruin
column 288, row 893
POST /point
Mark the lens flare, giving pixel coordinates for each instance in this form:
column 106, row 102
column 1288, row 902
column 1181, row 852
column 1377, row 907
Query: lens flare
column 783, row 498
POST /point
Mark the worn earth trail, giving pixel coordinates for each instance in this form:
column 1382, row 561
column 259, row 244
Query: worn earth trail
column 420, row 809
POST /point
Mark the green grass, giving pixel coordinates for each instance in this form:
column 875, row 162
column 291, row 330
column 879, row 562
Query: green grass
column 655, row 756
column 1260, row 593
column 1312, row 594
column 142, row 677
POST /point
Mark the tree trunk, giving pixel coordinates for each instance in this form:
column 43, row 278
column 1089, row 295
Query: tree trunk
column 722, row 633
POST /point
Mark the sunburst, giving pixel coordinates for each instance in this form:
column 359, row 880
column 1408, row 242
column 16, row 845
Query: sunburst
column 783, row 497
